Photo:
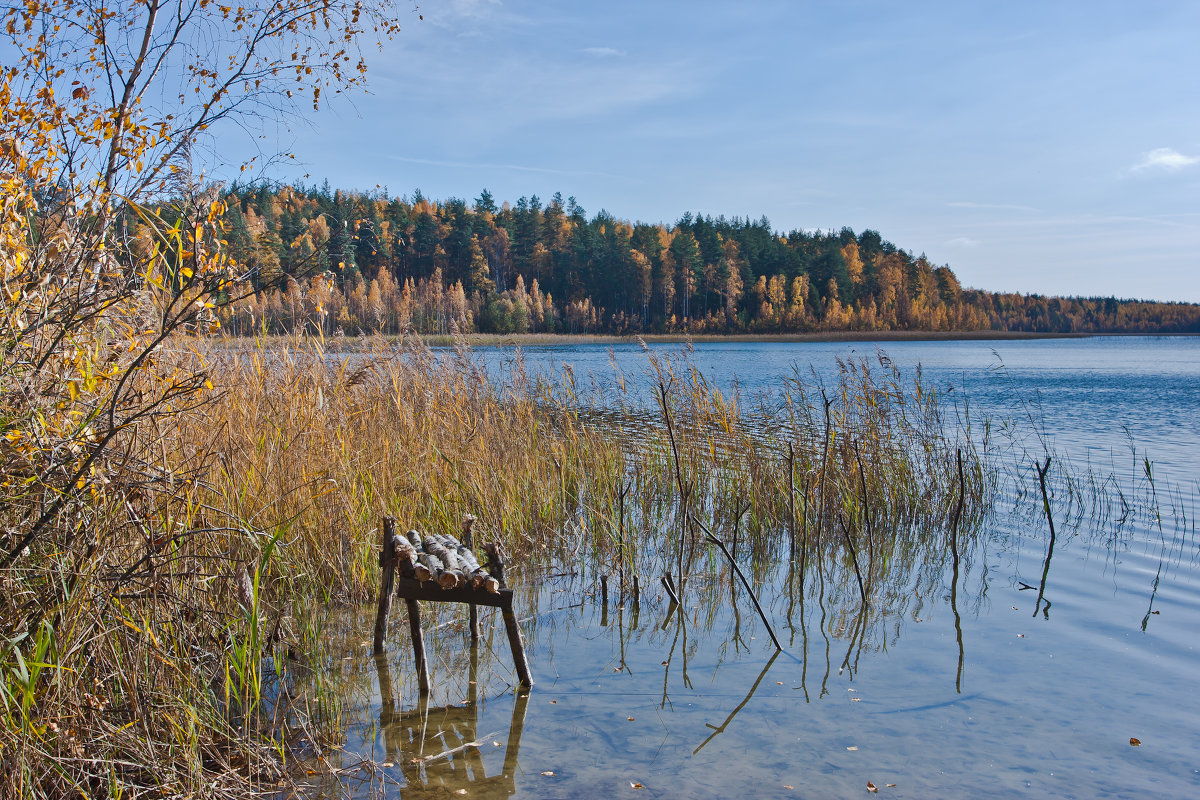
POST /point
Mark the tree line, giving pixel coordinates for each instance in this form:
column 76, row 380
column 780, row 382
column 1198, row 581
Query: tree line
column 360, row 262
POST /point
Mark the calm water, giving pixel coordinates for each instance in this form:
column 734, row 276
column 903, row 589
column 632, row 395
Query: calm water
column 949, row 688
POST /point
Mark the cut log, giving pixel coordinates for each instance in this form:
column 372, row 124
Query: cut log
column 476, row 575
column 420, row 570
column 406, row 555
column 432, row 568
column 451, row 576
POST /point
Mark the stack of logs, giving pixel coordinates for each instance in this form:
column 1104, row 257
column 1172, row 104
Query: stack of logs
column 439, row 568
column 445, row 560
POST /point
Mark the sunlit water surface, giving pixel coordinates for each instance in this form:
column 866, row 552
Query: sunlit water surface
column 1030, row 699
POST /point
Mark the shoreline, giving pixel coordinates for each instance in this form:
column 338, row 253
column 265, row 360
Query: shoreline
column 552, row 339
column 365, row 341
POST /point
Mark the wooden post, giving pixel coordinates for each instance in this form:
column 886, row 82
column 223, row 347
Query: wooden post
column 418, row 643
column 515, row 643
column 387, row 560
column 469, row 541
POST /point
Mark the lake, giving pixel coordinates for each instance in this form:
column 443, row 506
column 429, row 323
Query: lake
column 1002, row 672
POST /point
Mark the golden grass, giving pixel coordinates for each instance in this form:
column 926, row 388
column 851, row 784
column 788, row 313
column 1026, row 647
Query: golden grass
column 163, row 662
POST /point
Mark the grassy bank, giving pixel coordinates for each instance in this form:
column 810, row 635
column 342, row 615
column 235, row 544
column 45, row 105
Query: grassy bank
column 150, row 650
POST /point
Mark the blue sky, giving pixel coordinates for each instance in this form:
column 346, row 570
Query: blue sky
column 1048, row 147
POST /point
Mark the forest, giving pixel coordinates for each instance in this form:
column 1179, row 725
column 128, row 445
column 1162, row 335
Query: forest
column 350, row 262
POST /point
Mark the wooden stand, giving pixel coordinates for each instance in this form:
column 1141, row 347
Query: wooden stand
column 413, row 590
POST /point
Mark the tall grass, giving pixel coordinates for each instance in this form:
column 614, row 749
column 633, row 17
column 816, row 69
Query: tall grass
column 168, row 665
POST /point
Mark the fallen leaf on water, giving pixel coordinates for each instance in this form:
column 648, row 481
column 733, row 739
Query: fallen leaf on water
column 633, row 785
column 779, row 683
column 872, row 788
column 629, row 718
column 1135, row 742
column 549, row 773
column 852, row 747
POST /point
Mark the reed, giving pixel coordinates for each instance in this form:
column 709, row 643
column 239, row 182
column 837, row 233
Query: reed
column 185, row 653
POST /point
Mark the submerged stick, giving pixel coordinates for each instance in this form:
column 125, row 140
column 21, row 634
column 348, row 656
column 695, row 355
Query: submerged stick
column 753, row 597
column 1042, row 470
column 853, row 556
column 954, row 520
column 669, row 585
column 824, row 469
column 791, row 468
column 866, row 512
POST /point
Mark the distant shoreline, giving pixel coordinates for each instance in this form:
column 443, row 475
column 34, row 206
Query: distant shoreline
column 551, row 339
column 573, row 339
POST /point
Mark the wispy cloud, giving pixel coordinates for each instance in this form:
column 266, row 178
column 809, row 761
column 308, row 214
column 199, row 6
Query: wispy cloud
column 992, row 206
column 1165, row 158
column 603, row 52
column 962, row 241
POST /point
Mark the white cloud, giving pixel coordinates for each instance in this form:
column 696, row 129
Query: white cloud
column 1165, row 158
column 603, row 52
column 962, row 241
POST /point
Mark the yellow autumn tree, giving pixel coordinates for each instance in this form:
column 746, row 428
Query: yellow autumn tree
column 106, row 113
